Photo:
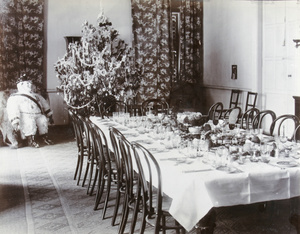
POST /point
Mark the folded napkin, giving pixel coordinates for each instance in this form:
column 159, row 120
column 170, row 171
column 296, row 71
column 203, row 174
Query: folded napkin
column 194, row 165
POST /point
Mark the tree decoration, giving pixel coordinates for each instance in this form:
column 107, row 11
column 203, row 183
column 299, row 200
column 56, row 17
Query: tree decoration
column 100, row 63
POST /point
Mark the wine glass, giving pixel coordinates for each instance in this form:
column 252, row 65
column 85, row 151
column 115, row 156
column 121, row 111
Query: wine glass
column 221, row 155
column 215, row 122
column 231, row 126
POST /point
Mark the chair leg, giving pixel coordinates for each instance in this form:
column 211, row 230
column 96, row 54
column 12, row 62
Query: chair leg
column 101, row 185
column 86, row 172
column 135, row 214
column 207, row 224
column 124, row 218
column 91, row 184
column 177, row 230
column 90, row 176
column 295, row 221
column 117, row 203
column 108, row 186
column 163, row 223
column 143, row 220
column 77, row 166
column 97, row 174
column 80, row 167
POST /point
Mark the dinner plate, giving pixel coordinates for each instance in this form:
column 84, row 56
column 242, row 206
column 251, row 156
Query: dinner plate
column 132, row 134
column 145, row 141
column 229, row 169
column 122, row 129
column 157, row 150
column 288, row 163
column 110, row 124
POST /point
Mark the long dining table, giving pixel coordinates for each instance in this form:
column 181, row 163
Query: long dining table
column 196, row 186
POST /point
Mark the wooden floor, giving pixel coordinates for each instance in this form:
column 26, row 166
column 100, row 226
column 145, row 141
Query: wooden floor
column 38, row 195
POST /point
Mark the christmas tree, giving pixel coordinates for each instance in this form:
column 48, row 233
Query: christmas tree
column 101, row 64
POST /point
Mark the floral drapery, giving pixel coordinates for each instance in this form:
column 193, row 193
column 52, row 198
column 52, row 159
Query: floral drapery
column 191, row 55
column 21, row 41
column 153, row 44
column 152, row 41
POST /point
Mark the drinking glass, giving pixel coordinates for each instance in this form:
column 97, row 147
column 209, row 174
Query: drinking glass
column 115, row 116
column 182, row 147
column 265, row 153
column 222, row 153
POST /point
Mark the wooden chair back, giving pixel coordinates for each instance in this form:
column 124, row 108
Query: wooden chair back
column 234, row 98
column 251, row 100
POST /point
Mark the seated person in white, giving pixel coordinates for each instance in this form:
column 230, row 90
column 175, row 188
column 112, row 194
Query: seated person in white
column 29, row 112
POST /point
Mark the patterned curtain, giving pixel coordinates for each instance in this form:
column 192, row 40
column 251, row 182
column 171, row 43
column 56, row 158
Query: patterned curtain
column 21, row 41
column 152, row 45
column 191, row 35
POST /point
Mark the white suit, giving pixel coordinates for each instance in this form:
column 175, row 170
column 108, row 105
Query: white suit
column 29, row 111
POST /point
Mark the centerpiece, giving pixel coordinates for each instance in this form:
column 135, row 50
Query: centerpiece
column 99, row 69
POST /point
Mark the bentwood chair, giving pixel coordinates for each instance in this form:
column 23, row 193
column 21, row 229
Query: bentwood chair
column 87, row 142
column 155, row 106
column 154, row 204
column 262, row 119
column 232, row 115
column 247, row 118
column 98, row 148
column 106, row 169
column 234, row 99
column 93, row 174
column 81, row 144
column 297, row 134
column 106, row 105
column 116, row 106
column 133, row 108
column 75, row 130
column 285, row 126
column 115, row 136
column 215, row 112
column 132, row 190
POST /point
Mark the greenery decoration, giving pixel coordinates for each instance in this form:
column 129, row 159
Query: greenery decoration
column 101, row 64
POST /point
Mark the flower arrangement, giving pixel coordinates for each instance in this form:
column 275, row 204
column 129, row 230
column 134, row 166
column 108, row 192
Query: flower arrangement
column 100, row 64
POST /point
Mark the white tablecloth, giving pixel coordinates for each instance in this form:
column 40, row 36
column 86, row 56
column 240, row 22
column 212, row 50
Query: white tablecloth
column 196, row 187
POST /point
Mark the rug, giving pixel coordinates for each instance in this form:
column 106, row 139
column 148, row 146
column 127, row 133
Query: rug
column 40, row 195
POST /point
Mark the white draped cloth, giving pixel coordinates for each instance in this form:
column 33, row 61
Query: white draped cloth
column 196, row 187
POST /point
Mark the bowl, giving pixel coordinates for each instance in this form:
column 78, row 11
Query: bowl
column 195, row 130
column 265, row 159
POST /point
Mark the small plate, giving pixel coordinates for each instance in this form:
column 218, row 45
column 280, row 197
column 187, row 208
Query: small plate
column 288, row 163
column 296, row 156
